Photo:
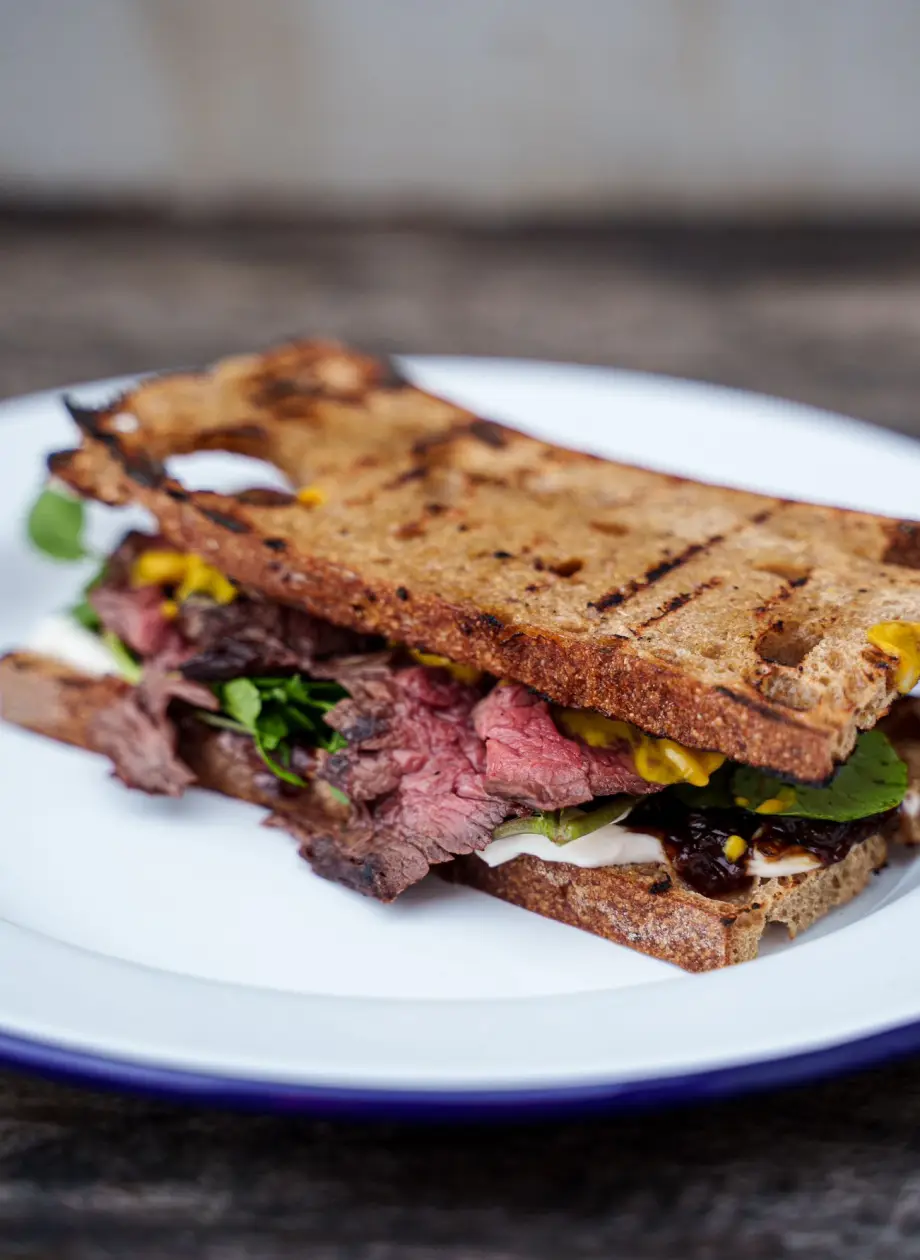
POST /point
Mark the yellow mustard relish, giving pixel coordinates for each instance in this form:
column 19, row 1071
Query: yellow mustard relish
column 657, row 760
column 900, row 639
column 190, row 574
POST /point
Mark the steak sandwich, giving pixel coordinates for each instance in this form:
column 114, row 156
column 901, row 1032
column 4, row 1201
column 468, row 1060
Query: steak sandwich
column 662, row 711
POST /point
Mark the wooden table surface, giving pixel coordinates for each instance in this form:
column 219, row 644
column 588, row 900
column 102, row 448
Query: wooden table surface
column 831, row 317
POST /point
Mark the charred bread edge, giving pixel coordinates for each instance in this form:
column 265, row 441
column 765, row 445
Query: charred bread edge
column 644, row 908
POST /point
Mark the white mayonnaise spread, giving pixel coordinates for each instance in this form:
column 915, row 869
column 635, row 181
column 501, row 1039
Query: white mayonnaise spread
column 911, row 804
column 60, row 637
column 771, row 868
column 608, row 846
column 614, row 845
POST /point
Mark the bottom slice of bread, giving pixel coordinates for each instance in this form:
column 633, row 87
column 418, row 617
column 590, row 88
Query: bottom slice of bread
column 645, row 907
column 648, row 909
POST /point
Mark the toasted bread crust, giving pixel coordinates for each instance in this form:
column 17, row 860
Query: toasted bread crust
column 720, row 618
column 650, row 910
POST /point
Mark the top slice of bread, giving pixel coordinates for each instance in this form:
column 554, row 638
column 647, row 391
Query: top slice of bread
column 723, row 619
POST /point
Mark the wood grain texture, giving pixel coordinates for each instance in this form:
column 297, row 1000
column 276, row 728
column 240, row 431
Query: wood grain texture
column 823, row 316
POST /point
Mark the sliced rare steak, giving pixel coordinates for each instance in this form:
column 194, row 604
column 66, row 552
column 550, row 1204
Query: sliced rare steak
column 136, row 617
column 252, row 636
column 212, row 642
column 528, row 759
column 431, row 766
column 141, row 739
column 358, row 854
column 414, row 771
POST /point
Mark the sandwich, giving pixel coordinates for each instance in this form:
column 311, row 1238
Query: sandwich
column 661, row 711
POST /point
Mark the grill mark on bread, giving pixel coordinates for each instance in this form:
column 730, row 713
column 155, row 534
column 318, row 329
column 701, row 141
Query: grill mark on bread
column 259, row 496
column 244, row 439
column 562, row 651
column 613, row 599
column 903, row 544
column 410, row 529
column 57, row 461
column 87, row 419
column 225, row 521
column 757, row 706
column 678, row 601
column 389, row 375
column 769, row 605
column 271, row 392
column 418, row 473
column 143, row 469
column 489, row 432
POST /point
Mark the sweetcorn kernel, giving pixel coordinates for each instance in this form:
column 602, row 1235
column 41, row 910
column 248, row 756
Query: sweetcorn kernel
column 734, row 848
column 776, row 804
column 311, row 496
column 169, row 610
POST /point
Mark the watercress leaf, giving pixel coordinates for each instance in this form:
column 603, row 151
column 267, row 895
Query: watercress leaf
column 325, row 691
column 85, row 615
column 338, row 795
column 272, row 728
column 575, row 823
column 333, row 742
column 542, row 822
column 55, row 525
column 324, row 706
column 303, row 720
column 241, row 700
column 127, row 663
column 279, row 771
column 871, row 781
column 221, row 722
column 717, row 794
column 296, row 690
column 98, row 577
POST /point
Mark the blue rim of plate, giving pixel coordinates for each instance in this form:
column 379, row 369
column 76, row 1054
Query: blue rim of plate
column 85, row 1068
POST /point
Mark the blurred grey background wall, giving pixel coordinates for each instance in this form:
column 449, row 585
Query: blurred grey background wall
column 475, row 108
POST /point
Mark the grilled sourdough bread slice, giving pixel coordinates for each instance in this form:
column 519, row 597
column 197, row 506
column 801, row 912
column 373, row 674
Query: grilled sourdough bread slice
column 650, row 909
column 646, row 907
column 723, row 619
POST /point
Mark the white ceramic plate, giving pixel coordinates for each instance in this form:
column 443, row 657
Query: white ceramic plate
column 177, row 946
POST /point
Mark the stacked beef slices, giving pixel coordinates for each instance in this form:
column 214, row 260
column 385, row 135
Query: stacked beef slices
column 431, row 765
